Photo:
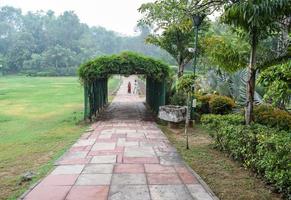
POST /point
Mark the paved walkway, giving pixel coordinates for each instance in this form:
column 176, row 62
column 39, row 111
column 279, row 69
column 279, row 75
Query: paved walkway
column 124, row 157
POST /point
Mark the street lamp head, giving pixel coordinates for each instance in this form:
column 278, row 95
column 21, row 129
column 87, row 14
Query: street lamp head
column 193, row 87
column 197, row 19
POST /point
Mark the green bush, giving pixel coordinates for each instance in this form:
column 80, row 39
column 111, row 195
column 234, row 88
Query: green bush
column 179, row 99
column 185, row 83
column 265, row 150
column 272, row 117
column 215, row 104
column 221, row 104
column 204, row 103
column 273, row 159
column 211, row 119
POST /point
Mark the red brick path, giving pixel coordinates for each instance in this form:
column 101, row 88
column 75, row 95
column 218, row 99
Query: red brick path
column 124, row 157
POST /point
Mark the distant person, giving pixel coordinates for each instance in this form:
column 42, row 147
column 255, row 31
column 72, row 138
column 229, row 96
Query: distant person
column 135, row 89
column 129, row 87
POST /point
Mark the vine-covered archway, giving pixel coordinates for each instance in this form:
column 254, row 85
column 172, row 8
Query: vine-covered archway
column 94, row 75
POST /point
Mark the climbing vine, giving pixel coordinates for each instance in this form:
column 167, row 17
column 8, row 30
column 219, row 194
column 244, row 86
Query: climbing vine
column 125, row 63
column 94, row 75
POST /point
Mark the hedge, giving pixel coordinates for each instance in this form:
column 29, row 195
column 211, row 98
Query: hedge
column 272, row 117
column 265, row 150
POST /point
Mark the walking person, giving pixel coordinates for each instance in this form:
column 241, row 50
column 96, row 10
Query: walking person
column 129, row 87
column 135, row 90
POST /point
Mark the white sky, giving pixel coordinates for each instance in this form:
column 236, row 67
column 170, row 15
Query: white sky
column 117, row 15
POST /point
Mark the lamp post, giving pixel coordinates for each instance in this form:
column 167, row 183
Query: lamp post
column 197, row 20
column 1, row 73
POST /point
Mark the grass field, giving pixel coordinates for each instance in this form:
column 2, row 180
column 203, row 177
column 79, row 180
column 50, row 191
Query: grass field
column 225, row 177
column 39, row 119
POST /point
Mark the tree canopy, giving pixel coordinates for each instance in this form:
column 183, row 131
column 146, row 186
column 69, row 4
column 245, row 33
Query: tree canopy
column 176, row 42
column 43, row 43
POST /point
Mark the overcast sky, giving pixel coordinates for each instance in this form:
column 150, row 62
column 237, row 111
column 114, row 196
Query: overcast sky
column 117, row 15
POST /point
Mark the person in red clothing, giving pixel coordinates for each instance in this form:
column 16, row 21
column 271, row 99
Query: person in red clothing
column 129, row 87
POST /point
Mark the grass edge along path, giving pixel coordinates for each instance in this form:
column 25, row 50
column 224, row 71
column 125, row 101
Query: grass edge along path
column 39, row 120
column 227, row 178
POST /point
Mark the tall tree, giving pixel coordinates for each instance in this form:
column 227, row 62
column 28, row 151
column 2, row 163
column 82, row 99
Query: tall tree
column 176, row 42
column 257, row 19
column 178, row 18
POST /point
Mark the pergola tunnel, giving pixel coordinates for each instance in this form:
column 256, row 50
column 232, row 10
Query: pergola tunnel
column 95, row 97
column 95, row 74
column 155, row 94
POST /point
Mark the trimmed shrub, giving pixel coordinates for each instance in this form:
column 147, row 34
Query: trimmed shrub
column 178, row 99
column 221, row 104
column 215, row 120
column 265, row 150
column 204, row 107
column 215, row 104
column 272, row 117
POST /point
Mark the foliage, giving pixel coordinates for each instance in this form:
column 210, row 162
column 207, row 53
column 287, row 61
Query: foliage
column 179, row 98
column 212, row 121
column 176, row 42
column 221, row 104
column 256, row 20
column 170, row 84
column 215, row 104
column 277, row 80
column 260, row 148
column 228, row 52
column 185, row 83
column 272, row 117
column 125, row 63
column 41, row 42
column 163, row 13
column 204, row 103
column 222, row 174
column 228, row 84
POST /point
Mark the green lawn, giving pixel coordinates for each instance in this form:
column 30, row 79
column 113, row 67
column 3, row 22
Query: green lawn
column 39, row 119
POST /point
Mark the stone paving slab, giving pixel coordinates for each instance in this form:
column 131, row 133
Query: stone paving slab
column 94, row 179
column 169, row 192
column 129, row 192
column 123, row 156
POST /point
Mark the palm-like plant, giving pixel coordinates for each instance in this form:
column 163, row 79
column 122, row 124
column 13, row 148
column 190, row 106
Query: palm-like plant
column 228, row 84
column 257, row 19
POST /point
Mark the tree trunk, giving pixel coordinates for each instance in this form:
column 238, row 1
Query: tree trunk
column 180, row 70
column 251, row 82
